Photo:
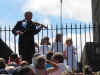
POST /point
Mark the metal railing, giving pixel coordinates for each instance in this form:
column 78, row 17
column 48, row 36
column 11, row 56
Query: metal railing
column 80, row 34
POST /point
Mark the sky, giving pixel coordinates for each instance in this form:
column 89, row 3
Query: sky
column 47, row 12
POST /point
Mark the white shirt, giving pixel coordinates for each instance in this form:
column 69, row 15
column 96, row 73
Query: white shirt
column 57, row 46
column 44, row 49
column 24, row 24
column 61, row 68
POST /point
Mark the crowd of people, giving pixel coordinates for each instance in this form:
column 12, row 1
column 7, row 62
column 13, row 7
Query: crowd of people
column 47, row 60
column 50, row 64
column 68, row 50
column 39, row 59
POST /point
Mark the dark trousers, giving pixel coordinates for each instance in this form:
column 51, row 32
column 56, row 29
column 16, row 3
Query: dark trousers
column 26, row 48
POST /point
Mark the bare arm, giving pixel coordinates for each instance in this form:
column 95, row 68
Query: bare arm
column 54, row 68
column 65, row 54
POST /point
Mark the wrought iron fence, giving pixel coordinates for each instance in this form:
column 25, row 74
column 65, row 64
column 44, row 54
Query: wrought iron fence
column 80, row 34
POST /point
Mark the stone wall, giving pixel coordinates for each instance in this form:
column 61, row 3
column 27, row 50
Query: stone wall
column 96, row 19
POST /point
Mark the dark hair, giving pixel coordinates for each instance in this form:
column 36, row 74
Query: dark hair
column 88, row 69
column 13, row 56
column 58, row 35
column 49, row 55
column 3, row 72
column 59, row 57
column 23, row 71
column 27, row 12
column 40, row 63
column 43, row 40
column 2, row 63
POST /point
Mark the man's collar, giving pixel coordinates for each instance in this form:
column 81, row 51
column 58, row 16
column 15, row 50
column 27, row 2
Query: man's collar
column 26, row 20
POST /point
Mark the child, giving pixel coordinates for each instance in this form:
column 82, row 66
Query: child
column 14, row 60
column 60, row 67
column 70, row 53
column 45, row 46
column 49, row 56
column 39, row 66
column 57, row 46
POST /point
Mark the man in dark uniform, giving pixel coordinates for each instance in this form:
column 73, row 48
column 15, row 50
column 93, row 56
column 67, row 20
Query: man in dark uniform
column 26, row 29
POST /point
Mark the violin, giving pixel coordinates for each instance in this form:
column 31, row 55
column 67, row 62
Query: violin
column 31, row 26
column 38, row 24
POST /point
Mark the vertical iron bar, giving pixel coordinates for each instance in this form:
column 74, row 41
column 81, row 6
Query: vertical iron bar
column 72, row 48
column 0, row 31
column 71, row 30
column 15, row 43
column 90, row 32
column 9, row 35
column 5, row 33
column 56, row 35
column 42, row 38
column 47, row 34
column 66, row 37
column 38, row 44
column 85, row 32
column 76, row 43
column 52, row 35
column 47, row 31
column 81, row 40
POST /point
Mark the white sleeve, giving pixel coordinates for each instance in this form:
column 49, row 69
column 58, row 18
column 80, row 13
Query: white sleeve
column 69, row 69
column 74, row 49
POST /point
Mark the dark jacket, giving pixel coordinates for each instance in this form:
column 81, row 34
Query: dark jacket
column 26, row 40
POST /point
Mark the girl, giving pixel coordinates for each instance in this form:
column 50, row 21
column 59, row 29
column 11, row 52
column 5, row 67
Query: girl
column 57, row 46
column 45, row 46
column 70, row 54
